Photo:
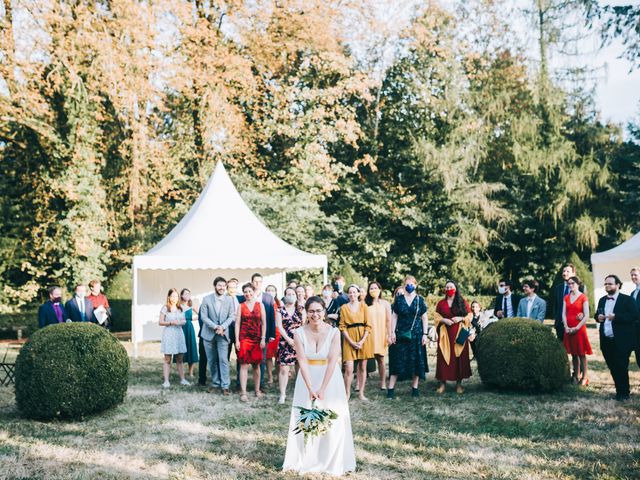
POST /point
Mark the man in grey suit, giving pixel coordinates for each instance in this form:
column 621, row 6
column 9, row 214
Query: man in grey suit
column 217, row 312
column 532, row 306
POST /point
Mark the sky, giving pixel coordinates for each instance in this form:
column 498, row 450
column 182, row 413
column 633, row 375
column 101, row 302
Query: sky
column 618, row 92
column 617, row 89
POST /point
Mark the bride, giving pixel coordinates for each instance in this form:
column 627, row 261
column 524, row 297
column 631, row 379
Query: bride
column 317, row 346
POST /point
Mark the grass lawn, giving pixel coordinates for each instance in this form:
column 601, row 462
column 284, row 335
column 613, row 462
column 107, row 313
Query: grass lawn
column 188, row 433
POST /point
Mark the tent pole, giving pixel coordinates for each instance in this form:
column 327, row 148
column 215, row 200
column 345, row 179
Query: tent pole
column 324, row 273
column 134, row 305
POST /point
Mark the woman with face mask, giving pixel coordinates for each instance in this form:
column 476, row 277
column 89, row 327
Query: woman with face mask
column 380, row 316
column 453, row 347
column 357, row 342
column 408, row 338
column 289, row 317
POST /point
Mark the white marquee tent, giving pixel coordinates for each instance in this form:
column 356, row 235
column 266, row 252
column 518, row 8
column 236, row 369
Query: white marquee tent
column 617, row 261
column 219, row 235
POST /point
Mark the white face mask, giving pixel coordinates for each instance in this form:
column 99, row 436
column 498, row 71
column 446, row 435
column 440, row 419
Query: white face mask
column 502, row 290
column 290, row 299
column 326, row 293
column 80, row 294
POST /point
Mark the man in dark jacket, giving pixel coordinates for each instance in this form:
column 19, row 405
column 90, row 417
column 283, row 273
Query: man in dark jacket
column 635, row 278
column 617, row 315
column 560, row 291
column 506, row 303
column 52, row 311
column 80, row 308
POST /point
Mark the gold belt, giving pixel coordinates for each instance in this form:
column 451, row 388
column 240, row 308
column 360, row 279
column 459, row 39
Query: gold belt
column 317, row 362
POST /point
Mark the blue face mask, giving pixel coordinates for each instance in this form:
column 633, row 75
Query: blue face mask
column 409, row 288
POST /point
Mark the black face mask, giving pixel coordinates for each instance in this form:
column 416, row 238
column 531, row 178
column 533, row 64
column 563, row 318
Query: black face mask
column 56, row 299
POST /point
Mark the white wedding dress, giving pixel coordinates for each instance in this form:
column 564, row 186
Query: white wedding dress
column 332, row 453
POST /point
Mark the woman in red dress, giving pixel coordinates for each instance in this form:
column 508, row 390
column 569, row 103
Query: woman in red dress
column 251, row 325
column 272, row 346
column 575, row 312
column 453, row 357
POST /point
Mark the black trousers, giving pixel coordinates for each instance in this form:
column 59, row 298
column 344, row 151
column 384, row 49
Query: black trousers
column 618, row 363
column 202, row 366
column 559, row 330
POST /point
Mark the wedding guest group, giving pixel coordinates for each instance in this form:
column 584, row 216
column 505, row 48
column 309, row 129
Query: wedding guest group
column 93, row 308
column 261, row 327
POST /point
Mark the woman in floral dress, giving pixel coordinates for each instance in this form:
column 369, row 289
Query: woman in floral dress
column 289, row 317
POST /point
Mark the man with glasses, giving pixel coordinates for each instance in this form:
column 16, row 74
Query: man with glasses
column 506, row 304
column 617, row 315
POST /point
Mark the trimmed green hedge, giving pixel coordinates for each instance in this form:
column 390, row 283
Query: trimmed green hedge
column 120, row 315
column 70, row 370
column 23, row 319
column 521, row 354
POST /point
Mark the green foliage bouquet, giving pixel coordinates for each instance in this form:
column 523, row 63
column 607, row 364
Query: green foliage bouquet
column 314, row 422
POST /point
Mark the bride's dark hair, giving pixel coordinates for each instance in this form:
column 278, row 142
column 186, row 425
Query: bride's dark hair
column 314, row 299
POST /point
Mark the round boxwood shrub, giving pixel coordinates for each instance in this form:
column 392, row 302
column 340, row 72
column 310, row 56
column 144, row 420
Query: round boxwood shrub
column 70, row 370
column 521, row 354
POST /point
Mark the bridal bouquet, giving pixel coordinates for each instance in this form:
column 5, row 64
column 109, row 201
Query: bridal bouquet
column 314, row 422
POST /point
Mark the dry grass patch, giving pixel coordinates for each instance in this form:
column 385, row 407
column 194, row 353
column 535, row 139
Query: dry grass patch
column 187, row 433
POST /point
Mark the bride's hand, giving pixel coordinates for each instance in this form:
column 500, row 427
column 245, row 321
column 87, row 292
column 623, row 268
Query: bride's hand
column 320, row 394
column 312, row 395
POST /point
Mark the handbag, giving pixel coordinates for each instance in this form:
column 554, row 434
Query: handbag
column 406, row 336
column 463, row 334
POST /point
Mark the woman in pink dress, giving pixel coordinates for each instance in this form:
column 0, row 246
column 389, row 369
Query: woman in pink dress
column 575, row 312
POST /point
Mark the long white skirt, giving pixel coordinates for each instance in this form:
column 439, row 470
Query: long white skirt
column 332, row 453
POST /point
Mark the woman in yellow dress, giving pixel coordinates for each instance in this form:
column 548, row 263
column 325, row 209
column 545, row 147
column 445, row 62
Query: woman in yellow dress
column 357, row 342
column 380, row 318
